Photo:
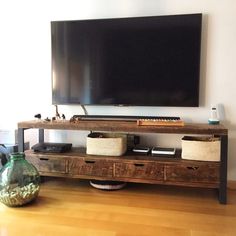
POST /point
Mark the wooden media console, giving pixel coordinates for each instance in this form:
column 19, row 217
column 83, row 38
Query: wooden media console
column 131, row 167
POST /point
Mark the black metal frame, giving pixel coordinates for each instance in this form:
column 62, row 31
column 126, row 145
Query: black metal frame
column 223, row 169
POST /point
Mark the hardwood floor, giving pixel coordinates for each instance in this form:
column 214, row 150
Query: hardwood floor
column 72, row 207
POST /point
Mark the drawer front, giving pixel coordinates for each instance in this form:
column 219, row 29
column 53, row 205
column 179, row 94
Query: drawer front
column 151, row 171
column 91, row 167
column 207, row 173
column 47, row 164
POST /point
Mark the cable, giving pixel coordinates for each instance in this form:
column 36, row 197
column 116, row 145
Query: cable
column 84, row 109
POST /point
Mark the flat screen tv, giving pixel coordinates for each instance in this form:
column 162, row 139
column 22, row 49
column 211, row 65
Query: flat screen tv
column 140, row 61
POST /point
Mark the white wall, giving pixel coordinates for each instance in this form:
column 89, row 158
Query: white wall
column 25, row 76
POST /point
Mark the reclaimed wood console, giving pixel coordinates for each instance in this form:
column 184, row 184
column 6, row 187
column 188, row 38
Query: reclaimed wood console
column 131, row 167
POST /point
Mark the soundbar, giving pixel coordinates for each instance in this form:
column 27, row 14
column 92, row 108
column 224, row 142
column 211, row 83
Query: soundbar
column 120, row 118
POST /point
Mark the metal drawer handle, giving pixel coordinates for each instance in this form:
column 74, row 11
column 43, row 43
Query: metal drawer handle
column 192, row 167
column 43, row 159
column 89, row 162
column 139, row 164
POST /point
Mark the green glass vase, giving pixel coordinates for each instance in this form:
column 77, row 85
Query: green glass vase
column 19, row 181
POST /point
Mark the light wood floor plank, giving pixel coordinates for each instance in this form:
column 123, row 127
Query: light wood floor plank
column 72, row 207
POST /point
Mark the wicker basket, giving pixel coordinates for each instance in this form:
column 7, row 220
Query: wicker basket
column 201, row 148
column 107, row 144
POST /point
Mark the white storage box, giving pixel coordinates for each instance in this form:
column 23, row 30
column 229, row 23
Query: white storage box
column 201, row 148
column 108, row 144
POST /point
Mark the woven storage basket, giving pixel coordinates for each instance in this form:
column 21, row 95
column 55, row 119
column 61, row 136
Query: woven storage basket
column 107, row 144
column 201, row 148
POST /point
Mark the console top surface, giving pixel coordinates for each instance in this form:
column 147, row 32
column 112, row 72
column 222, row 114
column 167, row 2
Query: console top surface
column 123, row 126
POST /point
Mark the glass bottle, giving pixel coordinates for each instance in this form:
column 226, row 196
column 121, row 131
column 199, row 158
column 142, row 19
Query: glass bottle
column 19, row 181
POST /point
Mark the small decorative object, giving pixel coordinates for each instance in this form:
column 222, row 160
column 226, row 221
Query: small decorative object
column 74, row 119
column 57, row 115
column 213, row 120
column 19, row 181
column 38, row 116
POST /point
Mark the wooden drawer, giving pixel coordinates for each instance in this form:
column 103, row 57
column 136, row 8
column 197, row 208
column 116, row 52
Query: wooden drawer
column 199, row 172
column 90, row 167
column 139, row 170
column 48, row 164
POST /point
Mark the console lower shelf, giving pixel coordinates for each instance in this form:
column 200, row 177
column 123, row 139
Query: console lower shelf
column 128, row 168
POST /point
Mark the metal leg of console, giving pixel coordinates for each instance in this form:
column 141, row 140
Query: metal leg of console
column 21, row 140
column 223, row 170
column 41, row 135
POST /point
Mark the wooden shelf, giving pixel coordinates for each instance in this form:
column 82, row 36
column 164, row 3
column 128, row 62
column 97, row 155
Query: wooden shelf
column 125, row 126
column 129, row 156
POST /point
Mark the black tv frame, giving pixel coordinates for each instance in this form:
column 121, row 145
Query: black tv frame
column 58, row 99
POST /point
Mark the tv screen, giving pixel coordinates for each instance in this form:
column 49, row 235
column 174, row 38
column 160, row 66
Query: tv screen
column 141, row 61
